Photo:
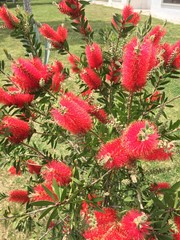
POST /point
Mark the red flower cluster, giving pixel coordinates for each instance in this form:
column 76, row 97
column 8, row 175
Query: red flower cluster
column 135, row 65
column 16, row 129
column 19, row 196
column 133, row 225
column 72, row 115
column 29, row 75
column 171, row 54
column 91, row 78
column 71, row 8
column 130, row 16
column 113, row 155
column 8, row 18
column 58, row 76
column 57, row 38
column 94, row 55
column 12, row 170
column 33, row 167
column 15, row 97
column 140, row 138
column 58, row 171
column 156, row 34
column 157, row 187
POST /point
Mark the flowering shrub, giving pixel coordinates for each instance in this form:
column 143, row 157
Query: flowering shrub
column 83, row 147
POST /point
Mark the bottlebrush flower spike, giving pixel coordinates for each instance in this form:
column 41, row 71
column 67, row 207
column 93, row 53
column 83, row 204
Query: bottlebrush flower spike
column 15, row 97
column 57, row 38
column 74, row 61
column 18, row 129
column 171, row 54
column 72, row 117
column 140, row 139
column 39, row 194
column 29, row 74
column 100, row 114
column 5, row 98
column 127, row 12
column 71, row 8
column 109, row 215
column 33, row 167
column 94, row 55
column 58, row 76
column 113, row 155
column 157, row 187
column 135, row 225
column 155, row 35
column 91, row 78
column 135, row 65
column 59, row 171
column 159, row 154
column 12, row 170
column 19, row 196
column 8, row 18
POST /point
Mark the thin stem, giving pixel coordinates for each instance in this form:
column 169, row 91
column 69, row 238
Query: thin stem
column 96, row 135
column 129, row 107
column 34, row 150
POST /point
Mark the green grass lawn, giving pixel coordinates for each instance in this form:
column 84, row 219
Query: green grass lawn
column 99, row 17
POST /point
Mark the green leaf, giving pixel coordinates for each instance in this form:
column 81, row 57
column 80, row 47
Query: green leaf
column 49, row 192
column 52, row 216
column 45, row 212
column 42, row 203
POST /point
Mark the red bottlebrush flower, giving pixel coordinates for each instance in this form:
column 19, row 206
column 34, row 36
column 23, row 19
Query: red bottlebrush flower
column 94, row 55
column 56, row 37
column 19, row 196
column 58, row 171
column 70, row 8
column 156, row 34
column 113, row 155
column 74, row 61
column 135, row 225
column 18, row 129
column 15, row 97
column 100, row 114
column 33, row 167
column 140, row 139
column 176, row 236
column 109, row 215
column 8, row 18
column 177, row 222
column 12, row 170
column 40, row 194
column 58, row 76
column 114, row 72
column 171, row 54
column 72, row 117
column 29, row 75
column 127, row 12
column 82, row 103
column 91, row 78
column 155, row 96
column 135, row 65
column 5, row 98
column 159, row 154
column 157, row 187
